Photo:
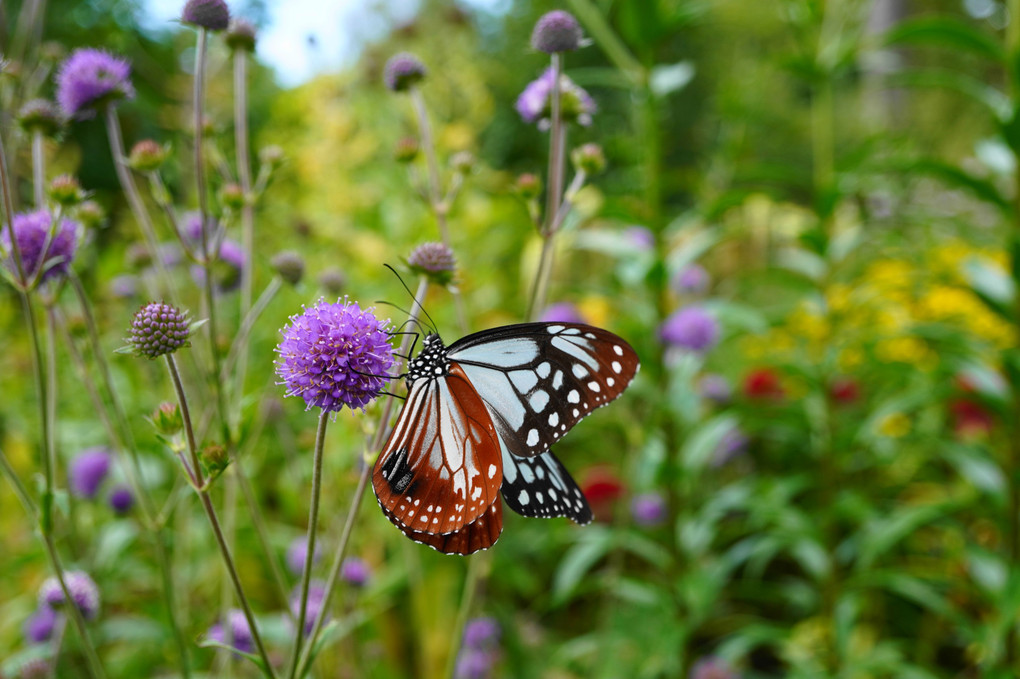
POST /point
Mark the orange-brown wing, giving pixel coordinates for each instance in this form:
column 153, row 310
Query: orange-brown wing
column 481, row 533
column 441, row 468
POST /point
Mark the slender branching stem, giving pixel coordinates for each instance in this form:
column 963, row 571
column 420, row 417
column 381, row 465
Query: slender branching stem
column 243, row 162
column 19, row 488
column 477, row 564
column 234, row 356
column 38, row 170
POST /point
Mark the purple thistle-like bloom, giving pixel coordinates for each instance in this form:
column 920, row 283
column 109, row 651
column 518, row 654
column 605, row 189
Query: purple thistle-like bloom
column 124, row 286
column 712, row 667
column 691, row 279
column 83, row 589
column 296, row 552
column 39, row 626
column 648, row 509
column 316, row 598
column 402, row 71
column 121, row 500
column 732, row 444
column 715, row 388
column 640, row 237
column 234, row 633
column 158, row 329
column 474, row 663
column 50, row 260
column 535, row 103
column 435, row 260
column 556, row 31
column 209, row 14
column 88, row 470
column 690, row 328
column 90, row 78
column 561, row 312
column 355, row 571
column 481, row 632
column 334, row 355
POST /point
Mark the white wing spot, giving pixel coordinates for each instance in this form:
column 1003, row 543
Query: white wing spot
column 545, row 368
column 539, row 400
column 492, row 471
column 475, row 493
column 533, row 438
column 618, row 349
column 554, row 419
column 576, row 412
column 417, row 502
column 523, row 497
column 580, row 372
column 552, row 493
column 617, row 368
column 610, row 381
column 594, row 386
column 523, row 380
column 538, row 496
column 558, row 379
column 571, row 331
column 429, row 508
column 553, row 329
column 574, row 396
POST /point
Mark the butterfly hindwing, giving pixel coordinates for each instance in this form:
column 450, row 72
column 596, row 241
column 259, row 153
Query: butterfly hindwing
column 441, row 467
column 481, row 533
column 541, row 487
column 540, row 379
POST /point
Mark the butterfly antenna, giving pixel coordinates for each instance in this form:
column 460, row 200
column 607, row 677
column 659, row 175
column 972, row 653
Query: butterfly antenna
column 431, row 321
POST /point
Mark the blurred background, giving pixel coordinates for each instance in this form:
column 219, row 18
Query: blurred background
column 817, row 471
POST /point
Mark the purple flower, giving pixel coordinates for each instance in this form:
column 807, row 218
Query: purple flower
column 355, row 571
column 732, row 444
column 561, row 312
column 712, row 667
column 235, row 632
column 556, row 31
column 690, row 328
column 402, row 71
column 640, row 237
column 535, row 104
column 334, row 355
column 296, row 552
column 316, row 598
column 648, row 509
column 90, row 78
column 44, row 255
column 715, row 388
column 88, row 470
column 124, row 286
column 474, row 664
column 210, row 14
column 158, row 329
column 435, row 260
column 39, row 626
column 691, row 279
column 481, row 632
column 83, row 591
column 230, row 262
column 121, row 500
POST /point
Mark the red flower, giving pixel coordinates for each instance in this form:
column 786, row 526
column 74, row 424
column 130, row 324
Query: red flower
column 970, row 418
column 602, row 489
column 763, row 384
column 845, row 390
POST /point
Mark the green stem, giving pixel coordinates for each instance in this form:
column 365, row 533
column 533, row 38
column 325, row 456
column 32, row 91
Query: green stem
column 19, row 488
column 243, row 162
column 235, row 355
column 313, row 521
column 38, row 170
column 476, row 566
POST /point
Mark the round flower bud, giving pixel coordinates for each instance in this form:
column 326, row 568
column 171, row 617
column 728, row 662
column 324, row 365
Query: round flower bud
column 289, row 265
column 333, row 281
column 313, row 606
column 355, row 571
column 209, row 14
column 158, row 329
column 39, row 626
column 91, row 214
column 402, row 71
column 335, row 355
column 406, row 150
column 462, row 162
column 65, row 190
column 434, row 260
column 297, row 551
column 556, row 31
column 83, row 592
column 232, row 196
column 215, row 458
column 121, row 500
column 589, row 159
column 272, row 156
column 166, row 418
column 88, row 470
column 10, row 69
column 240, row 35
column 52, row 51
column 147, row 155
column 234, row 631
column 691, row 328
column 90, row 78
column 528, row 186
column 41, row 115
column 648, row 509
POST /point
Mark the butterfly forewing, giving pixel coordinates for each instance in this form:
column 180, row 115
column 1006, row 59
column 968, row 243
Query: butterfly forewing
column 481, row 533
column 540, row 379
column 441, row 468
column 541, row 487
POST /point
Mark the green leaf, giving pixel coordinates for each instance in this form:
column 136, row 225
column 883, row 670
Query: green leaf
column 884, row 534
column 578, row 561
column 946, row 32
column 954, row 176
column 988, row 569
column 701, row 444
column 665, row 80
column 210, row 643
column 908, row 587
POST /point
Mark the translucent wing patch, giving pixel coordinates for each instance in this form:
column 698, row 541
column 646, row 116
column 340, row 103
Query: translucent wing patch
column 541, row 487
column 481, row 533
column 540, row 379
column 441, row 468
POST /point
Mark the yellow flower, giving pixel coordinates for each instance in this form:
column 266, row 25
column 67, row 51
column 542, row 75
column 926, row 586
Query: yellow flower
column 906, row 349
column 596, row 310
column 894, row 425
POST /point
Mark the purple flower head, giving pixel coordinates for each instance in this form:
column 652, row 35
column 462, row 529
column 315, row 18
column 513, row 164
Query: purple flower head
column 88, row 470
column 648, row 509
column 712, row 667
column 48, row 256
column 235, row 632
column 535, row 103
column 83, row 591
column 691, row 279
column 732, row 444
column 121, row 500
column 334, row 355
column 402, row 71
column 241, row 35
column 39, row 626
column 481, row 633
column 296, row 552
column 355, row 571
column 435, row 260
column 640, row 237
column 316, row 598
column 158, row 329
column 231, row 261
column 691, row 328
column 473, row 663
column 90, row 78
column 210, row 14
column 556, row 31
column 124, row 286
column 715, row 388
column 561, row 312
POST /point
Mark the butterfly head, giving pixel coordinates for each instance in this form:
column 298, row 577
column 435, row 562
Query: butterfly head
column 431, row 362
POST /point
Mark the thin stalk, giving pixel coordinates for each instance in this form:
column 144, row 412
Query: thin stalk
column 304, row 665
column 234, row 356
column 170, row 600
column 8, row 204
column 38, row 170
column 19, row 488
column 1012, row 45
column 476, row 565
column 255, row 513
column 313, row 520
column 141, row 213
column 210, row 511
column 243, row 162
column 95, row 667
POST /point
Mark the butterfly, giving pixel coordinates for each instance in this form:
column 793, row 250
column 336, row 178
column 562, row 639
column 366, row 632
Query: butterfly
column 478, row 422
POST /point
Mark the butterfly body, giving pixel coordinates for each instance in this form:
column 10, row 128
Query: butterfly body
column 479, row 418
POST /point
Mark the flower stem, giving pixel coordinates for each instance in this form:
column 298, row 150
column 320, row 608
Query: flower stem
column 243, row 162
column 476, row 565
column 19, row 488
column 313, row 519
column 38, row 170
column 210, row 511
column 234, row 356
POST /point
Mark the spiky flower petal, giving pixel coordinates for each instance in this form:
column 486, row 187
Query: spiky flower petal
column 535, row 102
column 40, row 250
column 209, row 14
column 90, row 78
column 82, row 588
column 402, row 71
column 434, row 260
column 556, row 31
